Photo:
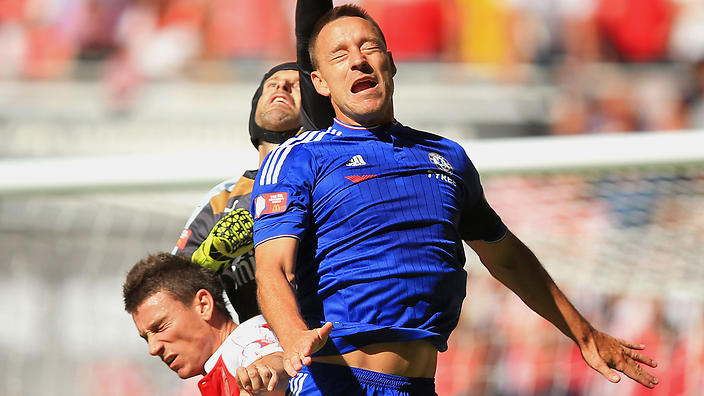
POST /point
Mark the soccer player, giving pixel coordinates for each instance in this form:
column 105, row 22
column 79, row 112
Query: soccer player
column 358, row 232
column 179, row 310
column 218, row 235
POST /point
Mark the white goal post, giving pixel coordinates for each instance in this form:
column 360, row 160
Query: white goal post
column 519, row 155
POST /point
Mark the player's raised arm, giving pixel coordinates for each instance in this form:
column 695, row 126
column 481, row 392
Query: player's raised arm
column 307, row 14
column 274, row 274
column 514, row 264
column 316, row 111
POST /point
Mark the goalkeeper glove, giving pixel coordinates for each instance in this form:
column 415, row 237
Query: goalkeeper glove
column 230, row 238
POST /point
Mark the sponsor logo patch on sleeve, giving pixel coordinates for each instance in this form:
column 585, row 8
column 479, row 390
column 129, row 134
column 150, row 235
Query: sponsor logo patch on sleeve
column 183, row 238
column 269, row 203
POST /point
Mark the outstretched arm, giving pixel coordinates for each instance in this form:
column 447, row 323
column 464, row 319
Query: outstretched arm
column 514, row 264
column 316, row 111
column 274, row 274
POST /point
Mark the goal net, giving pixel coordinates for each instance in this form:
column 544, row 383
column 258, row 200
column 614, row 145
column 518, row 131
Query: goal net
column 618, row 221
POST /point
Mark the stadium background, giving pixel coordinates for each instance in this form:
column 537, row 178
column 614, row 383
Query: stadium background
column 117, row 115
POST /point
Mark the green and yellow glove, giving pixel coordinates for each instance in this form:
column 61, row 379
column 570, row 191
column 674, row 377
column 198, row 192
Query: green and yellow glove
column 230, row 238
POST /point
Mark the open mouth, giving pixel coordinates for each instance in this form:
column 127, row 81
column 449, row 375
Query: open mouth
column 279, row 99
column 363, row 84
column 170, row 360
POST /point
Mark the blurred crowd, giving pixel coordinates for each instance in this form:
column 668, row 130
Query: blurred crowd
column 625, row 248
column 619, row 65
column 501, row 348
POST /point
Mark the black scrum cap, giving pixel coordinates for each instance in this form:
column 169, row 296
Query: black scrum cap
column 256, row 132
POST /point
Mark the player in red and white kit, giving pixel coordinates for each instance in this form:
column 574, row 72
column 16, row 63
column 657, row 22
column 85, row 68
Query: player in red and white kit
column 246, row 346
column 179, row 309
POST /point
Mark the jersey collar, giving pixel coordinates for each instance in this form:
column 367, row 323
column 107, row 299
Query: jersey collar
column 347, row 129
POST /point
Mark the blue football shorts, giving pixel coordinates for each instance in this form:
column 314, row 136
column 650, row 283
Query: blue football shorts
column 321, row 379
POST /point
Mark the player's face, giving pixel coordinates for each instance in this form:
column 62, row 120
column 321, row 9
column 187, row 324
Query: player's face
column 356, row 71
column 279, row 107
column 176, row 333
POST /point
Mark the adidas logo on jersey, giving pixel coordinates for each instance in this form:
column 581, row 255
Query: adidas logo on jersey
column 357, row 160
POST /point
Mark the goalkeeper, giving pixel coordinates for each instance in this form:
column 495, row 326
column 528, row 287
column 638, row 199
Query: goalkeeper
column 218, row 235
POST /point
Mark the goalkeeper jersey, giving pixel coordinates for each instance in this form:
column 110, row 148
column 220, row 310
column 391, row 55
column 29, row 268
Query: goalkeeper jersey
column 380, row 214
column 232, row 195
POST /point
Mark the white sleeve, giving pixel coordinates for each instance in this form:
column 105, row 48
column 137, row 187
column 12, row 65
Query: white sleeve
column 253, row 339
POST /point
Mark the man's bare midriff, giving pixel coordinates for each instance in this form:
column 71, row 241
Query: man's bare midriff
column 415, row 359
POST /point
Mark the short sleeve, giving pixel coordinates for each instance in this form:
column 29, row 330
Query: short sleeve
column 250, row 341
column 199, row 224
column 195, row 231
column 281, row 196
column 478, row 220
column 256, row 339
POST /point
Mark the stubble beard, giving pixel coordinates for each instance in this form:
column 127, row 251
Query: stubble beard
column 367, row 114
column 278, row 120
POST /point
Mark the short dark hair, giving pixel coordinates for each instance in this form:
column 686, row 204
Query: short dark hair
column 346, row 10
column 176, row 275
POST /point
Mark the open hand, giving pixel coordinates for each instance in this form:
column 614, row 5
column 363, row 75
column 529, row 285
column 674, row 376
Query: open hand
column 307, row 343
column 604, row 353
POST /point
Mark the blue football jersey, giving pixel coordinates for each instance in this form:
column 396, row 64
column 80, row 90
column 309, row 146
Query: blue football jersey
column 380, row 214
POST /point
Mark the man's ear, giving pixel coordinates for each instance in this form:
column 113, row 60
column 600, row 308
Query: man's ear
column 320, row 85
column 393, row 65
column 204, row 304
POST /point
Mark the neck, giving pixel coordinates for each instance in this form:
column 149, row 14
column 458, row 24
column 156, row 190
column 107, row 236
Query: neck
column 219, row 331
column 384, row 116
column 264, row 149
column 224, row 331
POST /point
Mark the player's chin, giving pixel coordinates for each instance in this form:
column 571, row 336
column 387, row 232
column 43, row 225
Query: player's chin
column 367, row 112
column 278, row 119
column 185, row 373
